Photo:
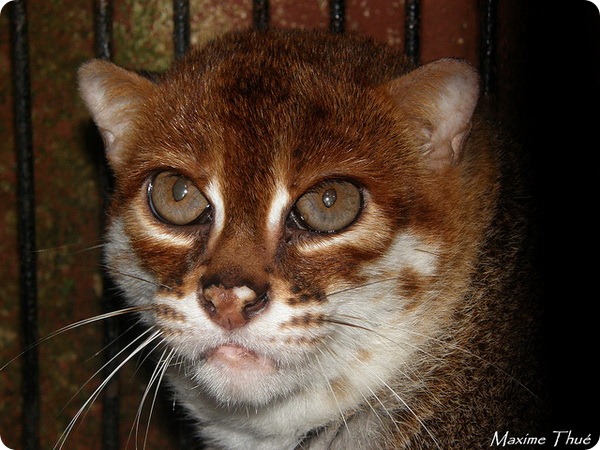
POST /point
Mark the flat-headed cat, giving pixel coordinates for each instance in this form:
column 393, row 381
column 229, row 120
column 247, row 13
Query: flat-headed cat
column 322, row 239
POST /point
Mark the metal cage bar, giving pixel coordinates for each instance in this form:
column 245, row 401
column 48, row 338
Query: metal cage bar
column 488, row 46
column 103, row 17
column 26, row 223
column 260, row 14
column 103, row 29
column 412, row 30
column 181, row 27
column 337, row 16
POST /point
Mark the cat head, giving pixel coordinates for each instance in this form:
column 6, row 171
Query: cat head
column 299, row 211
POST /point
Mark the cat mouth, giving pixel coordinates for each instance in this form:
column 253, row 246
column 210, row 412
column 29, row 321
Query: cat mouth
column 238, row 358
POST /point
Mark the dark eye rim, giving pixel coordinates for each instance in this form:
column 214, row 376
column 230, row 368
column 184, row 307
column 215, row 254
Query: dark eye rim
column 296, row 223
column 204, row 218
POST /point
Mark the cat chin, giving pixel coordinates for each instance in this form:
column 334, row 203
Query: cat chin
column 234, row 375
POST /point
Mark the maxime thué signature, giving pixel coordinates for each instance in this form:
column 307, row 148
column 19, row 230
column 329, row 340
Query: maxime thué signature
column 558, row 438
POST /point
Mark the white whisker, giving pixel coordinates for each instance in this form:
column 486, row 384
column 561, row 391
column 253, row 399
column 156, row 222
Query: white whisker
column 390, row 340
column 85, row 407
column 415, row 415
column 79, row 324
column 163, row 370
column 106, row 364
column 137, row 277
column 454, row 346
column 138, row 414
column 153, row 377
column 67, row 247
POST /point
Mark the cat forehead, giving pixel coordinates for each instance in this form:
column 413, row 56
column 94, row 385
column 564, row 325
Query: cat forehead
column 253, row 138
column 299, row 101
column 276, row 76
column 297, row 54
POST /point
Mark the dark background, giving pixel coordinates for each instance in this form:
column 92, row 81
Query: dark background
column 561, row 104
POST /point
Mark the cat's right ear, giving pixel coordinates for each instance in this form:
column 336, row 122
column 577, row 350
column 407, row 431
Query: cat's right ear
column 114, row 97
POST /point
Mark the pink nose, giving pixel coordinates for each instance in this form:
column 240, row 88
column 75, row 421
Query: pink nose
column 232, row 307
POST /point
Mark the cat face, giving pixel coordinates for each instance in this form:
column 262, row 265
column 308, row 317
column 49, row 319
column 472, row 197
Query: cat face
column 289, row 224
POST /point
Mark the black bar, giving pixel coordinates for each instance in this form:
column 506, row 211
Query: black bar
column 181, row 27
column 103, row 29
column 337, row 16
column 260, row 14
column 412, row 29
column 26, row 223
column 488, row 46
column 103, row 17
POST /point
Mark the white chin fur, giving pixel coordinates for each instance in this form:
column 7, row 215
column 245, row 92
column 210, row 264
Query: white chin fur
column 234, row 386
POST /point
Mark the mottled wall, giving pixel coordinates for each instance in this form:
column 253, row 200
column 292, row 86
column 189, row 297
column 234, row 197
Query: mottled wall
column 67, row 184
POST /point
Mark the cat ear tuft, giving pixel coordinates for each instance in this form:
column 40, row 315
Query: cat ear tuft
column 113, row 96
column 440, row 97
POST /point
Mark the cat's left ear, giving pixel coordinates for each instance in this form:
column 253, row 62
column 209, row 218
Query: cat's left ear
column 114, row 96
column 438, row 99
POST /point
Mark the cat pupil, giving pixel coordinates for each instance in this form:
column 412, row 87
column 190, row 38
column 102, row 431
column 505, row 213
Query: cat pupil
column 329, row 197
column 180, row 189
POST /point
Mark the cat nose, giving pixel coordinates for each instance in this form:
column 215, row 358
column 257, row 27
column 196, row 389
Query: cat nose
column 232, row 307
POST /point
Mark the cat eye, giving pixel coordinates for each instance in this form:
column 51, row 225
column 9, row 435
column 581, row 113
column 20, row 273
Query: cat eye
column 328, row 207
column 176, row 200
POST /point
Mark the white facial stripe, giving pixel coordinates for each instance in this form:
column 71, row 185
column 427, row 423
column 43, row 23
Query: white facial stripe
column 213, row 192
column 152, row 231
column 365, row 231
column 280, row 203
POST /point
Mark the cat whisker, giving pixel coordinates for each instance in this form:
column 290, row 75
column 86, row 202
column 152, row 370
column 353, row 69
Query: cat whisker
column 458, row 348
column 414, row 414
column 358, row 287
column 364, row 285
column 344, row 323
column 138, row 415
column 429, row 252
column 376, row 397
column 398, row 397
column 382, row 336
column 140, row 363
column 106, row 364
column 395, row 344
column 157, row 376
column 85, row 407
column 67, row 247
column 137, row 277
column 113, row 342
column 165, row 367
column 78, row 324
column 373, row 394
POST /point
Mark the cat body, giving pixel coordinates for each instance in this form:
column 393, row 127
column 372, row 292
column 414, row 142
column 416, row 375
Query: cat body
column 320, row 238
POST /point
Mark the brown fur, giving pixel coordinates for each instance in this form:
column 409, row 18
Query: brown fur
column 306, row 107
